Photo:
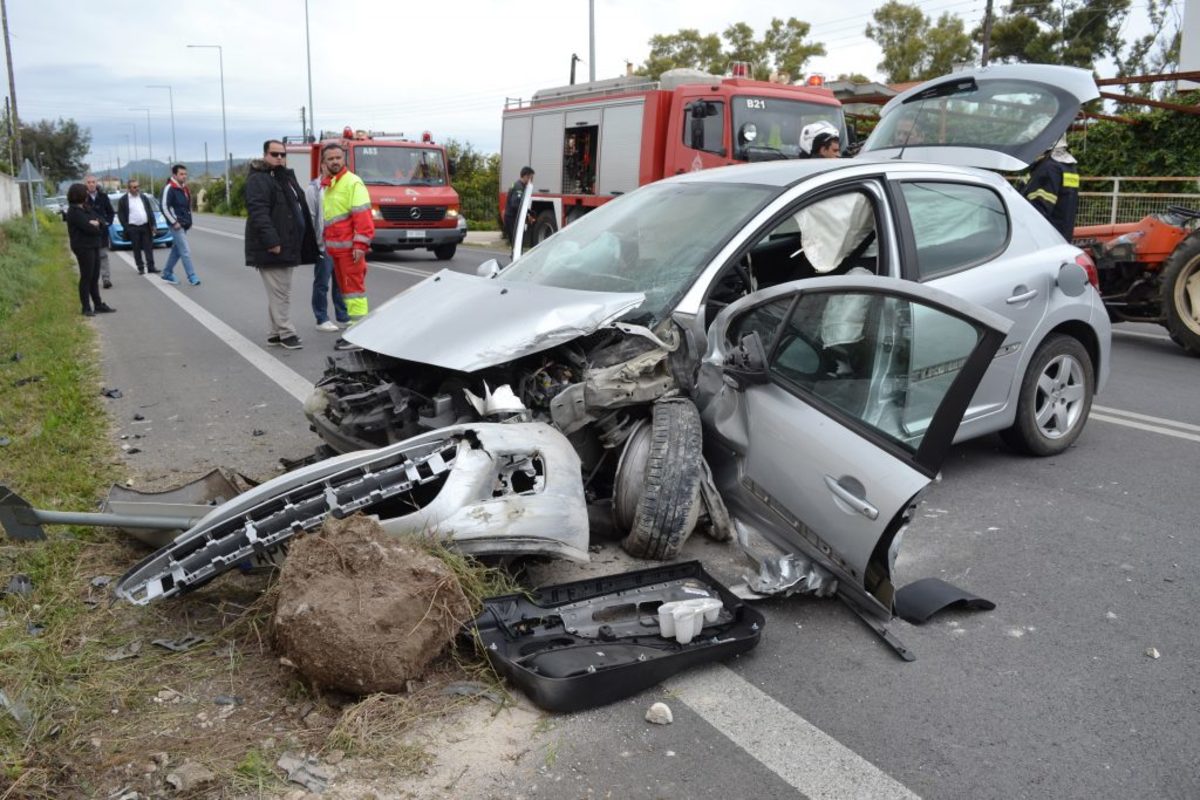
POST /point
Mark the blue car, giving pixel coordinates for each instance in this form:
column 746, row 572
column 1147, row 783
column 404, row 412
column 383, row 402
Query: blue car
column 162, row 232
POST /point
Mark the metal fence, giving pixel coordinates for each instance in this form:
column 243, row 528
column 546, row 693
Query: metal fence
column 1108, row 201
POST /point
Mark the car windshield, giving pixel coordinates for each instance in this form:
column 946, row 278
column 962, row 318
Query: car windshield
column 655, row 240
column 996, row 114
column 400, row 166
column 777, row 124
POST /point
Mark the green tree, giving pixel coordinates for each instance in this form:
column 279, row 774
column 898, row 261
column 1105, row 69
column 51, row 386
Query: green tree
column 63, row 145
column 1156, row 52
column 1073, row 32
column 914, row 48
column 784, row 48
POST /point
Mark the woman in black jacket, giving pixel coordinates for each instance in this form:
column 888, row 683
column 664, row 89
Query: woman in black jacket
column 87, row 232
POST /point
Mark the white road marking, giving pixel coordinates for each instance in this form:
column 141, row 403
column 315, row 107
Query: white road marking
column 1144, row 427
column 414, row 271
column 291, row 381
column 806, row 757
column 1170, row 423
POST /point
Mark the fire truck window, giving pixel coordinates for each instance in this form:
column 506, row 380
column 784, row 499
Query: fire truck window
column 579, row 159
column 704, row 126
column 400, row 166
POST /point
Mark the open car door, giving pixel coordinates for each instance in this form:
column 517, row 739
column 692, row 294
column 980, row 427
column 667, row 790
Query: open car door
column 1000, row 117
column 829, row 405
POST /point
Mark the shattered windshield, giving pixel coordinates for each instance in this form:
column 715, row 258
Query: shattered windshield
column 400, row 166
column 655, row 240
column 775, row 125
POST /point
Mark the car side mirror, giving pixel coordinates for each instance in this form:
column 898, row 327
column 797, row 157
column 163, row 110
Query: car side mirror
column 1072, row 279
column 488, row 269
column 746, row 364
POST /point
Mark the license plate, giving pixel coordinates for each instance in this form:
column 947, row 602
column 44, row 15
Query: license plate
column 416, row 234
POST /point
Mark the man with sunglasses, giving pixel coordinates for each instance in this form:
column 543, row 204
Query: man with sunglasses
column 279, row 236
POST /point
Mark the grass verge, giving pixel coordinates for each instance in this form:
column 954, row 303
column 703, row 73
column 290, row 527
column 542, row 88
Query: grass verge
column 89, row 703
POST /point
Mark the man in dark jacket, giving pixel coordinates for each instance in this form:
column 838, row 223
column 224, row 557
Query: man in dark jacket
column 279, row 236
column 177, row 208
column 1053, row 188
column 137, row 220
column 512, row 204
column 97, row 200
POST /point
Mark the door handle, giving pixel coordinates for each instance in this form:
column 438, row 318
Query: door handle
column 854, row 501
column 1021, row 298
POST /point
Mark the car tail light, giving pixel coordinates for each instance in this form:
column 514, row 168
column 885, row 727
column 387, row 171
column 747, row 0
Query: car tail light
column 1085, row 261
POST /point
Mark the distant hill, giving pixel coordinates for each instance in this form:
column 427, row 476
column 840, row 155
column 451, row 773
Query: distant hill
column 161, row 170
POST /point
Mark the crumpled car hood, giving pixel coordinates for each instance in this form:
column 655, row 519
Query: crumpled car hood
column 466, row 323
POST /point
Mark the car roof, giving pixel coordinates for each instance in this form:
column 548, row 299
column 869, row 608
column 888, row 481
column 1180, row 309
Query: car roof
column 782, row 174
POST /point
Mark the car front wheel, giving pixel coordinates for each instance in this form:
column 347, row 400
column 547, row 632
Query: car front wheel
column 1056, row 398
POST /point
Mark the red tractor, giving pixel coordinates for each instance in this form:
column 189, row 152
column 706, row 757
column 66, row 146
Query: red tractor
column 1150, row 271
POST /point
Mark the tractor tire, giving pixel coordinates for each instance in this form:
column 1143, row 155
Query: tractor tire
column 1055, row 398
column 445, row 252
column 1181, row 294
column 544, row 226
column 668, row 496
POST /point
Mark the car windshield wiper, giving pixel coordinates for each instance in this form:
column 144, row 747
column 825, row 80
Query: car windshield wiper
column 762, row 152
column 382, row 182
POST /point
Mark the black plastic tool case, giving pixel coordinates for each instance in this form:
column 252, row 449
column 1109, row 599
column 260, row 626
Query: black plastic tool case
column 583, row 644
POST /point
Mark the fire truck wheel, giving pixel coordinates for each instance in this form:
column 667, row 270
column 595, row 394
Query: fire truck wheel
column 658, row 490
column 543, row 227
column 445, row 252
column 1181, row 293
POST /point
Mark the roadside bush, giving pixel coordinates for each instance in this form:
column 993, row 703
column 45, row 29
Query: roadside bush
column 1161, row 142
column 19, row 250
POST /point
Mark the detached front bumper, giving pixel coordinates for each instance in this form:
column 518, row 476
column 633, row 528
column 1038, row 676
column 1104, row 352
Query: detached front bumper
column 485, row 489
column 412, row 238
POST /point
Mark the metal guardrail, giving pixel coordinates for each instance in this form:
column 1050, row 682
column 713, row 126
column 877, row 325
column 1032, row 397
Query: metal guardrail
column 1118, row 205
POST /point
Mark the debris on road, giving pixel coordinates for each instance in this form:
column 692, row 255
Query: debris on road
column 472, row 689
column 19, row 586
column 112, row 394
column 659, row 714
column 190, row 776
column 919, row 601
column 181, row 645
column 1152, row 652
column 364, row 611
column 5, row 441
column 19, row 382
column 130, row 650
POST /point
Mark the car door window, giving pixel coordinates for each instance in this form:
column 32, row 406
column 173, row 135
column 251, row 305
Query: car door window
column 954, row 225
column 878, row 361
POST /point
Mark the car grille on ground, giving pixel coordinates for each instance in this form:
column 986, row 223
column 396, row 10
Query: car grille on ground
column 413, row 214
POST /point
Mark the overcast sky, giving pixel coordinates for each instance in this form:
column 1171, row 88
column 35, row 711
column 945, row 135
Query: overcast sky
column 378, row 64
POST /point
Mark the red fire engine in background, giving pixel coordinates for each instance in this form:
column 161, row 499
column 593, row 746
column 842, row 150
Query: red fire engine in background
column 412, row 201
column 590, row 142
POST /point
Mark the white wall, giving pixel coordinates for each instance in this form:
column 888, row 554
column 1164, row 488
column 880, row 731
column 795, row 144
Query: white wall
column 10, row 197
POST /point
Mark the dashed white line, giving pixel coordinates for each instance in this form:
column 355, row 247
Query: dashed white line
column 793, row 748
column 1170, row 423
column 291, row 381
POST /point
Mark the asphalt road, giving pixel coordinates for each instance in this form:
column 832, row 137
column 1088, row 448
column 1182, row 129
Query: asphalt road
column 1089, row 557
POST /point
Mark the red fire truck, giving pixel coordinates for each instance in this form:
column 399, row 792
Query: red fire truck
column 412, row 202
column 590, row 142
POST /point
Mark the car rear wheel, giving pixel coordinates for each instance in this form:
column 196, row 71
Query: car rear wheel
column 543, row 227
column 445, row 252
column 1181, row 294
column 657, row 492
column 1055, row 399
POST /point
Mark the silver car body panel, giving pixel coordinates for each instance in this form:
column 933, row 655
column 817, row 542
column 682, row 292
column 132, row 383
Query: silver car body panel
column 501, row 489
column 507, row 320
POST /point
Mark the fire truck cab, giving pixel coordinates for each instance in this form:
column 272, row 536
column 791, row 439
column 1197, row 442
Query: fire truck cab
column 412, row 202
column 590, row 142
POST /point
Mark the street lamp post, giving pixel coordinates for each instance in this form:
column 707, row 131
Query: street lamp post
column 149, row 146
column 224, row 136
column 171, row 99
column 312, row 116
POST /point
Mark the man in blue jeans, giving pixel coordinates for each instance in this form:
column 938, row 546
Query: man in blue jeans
column 324, row 268
column 177, row 208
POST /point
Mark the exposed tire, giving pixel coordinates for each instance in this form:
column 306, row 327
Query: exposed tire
column 1181, row 294
column 445, row 252
column 543, row 228
column 670, row 503
column 1055, row 399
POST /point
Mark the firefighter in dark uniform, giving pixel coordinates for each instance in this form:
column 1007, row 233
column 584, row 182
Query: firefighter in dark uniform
column 1053, row 188
column 512, row 204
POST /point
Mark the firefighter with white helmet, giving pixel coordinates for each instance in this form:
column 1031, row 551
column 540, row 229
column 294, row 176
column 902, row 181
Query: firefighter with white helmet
column 1053, row 187
column 820, row 140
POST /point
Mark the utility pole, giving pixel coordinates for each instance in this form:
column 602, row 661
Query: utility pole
column 592, row 40
column 15, row 139
column 303, row 124
column 987, row 33
column 308, row 53
column 574, row 58
column 171, row 99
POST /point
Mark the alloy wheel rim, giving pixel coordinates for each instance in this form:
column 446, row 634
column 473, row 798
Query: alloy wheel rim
column 1060, row 396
